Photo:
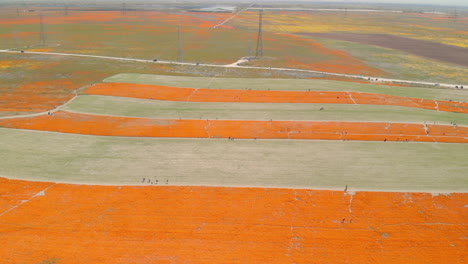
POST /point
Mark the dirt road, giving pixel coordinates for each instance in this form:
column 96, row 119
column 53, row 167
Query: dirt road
column 236, row 64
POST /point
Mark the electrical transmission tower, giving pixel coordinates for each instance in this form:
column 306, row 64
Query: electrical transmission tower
column 42, row 36
column 259, row 50
column 180, row 54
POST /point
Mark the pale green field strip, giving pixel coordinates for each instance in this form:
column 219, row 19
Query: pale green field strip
column 289, row 85
column 131, row 107
column 45, row 156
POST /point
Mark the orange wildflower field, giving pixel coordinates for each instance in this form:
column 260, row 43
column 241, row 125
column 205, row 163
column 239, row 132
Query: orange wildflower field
column 187, row 19
column 36, row 96
column 159, row 92
column 63, row 223
column 338, row 61
column 311, row 55
column 59, row 223
column 67, row 122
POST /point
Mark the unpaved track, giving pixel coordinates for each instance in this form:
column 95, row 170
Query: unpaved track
column 167, row 93
column 233, row 16
column 299, row 9
column 378, row 79
column 68, row 122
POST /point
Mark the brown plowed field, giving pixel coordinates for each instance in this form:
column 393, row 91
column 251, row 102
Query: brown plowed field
column 76, row 123
column 158, row 92
column 423, row 48
column 61, row 223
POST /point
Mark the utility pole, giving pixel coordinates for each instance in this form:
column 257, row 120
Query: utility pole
column 42, row 36
column 124, row 8
column 15, row 38
column 259, row 50
column 180, row 55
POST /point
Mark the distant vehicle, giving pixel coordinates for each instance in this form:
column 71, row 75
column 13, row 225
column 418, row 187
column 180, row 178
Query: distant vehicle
column 22, row 51
column 155, row 60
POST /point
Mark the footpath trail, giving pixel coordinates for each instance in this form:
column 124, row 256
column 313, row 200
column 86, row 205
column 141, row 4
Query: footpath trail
column 56, row 223
column 76, row 123
column 158, row 92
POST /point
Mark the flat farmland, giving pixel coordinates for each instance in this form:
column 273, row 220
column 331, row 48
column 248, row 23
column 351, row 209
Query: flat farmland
column 37, row 83
column 412, row 26
column 180, row 224
column 218, row 82
column 124, row 159
column 451, row 31
column 153, row 35
column 403, row 64
column 318, row 119
column 45, row 156
column 32, row 83
column 110, row 105
column 423, row 48
column 168, row 93
column 428, row 127
column 136, row 34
